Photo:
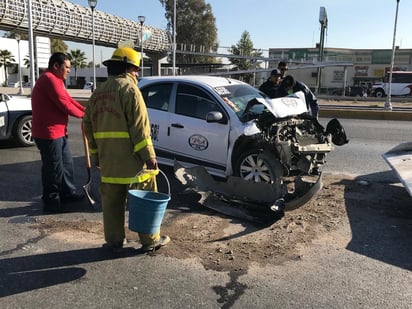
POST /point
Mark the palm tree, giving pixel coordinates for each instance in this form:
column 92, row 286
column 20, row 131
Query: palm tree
column 26, row 61
column 78, row 60
column 6, row 59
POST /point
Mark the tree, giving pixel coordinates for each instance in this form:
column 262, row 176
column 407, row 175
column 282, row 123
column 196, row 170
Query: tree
column 195, row 26
column 244, row 48
column 78, row 60
column 57, row 45
column 6, row 60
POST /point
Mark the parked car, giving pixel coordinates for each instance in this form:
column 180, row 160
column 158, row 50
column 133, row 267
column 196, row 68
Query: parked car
column 14, row 84
column 88, row 86
column 231, row 128
column 351, row 91
column 15, row 119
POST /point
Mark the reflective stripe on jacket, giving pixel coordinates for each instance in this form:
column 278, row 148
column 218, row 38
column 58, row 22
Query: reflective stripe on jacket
column 117, row 126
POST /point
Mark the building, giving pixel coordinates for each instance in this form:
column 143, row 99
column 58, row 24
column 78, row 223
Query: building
column 367, row 65
column 362, row 67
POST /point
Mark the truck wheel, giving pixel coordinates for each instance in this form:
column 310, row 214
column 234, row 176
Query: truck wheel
column 258, row 166
column 22, row 132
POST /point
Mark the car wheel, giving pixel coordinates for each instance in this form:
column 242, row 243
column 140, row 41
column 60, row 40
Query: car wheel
column 22, row 132
column 259, row 166
column 379, row 93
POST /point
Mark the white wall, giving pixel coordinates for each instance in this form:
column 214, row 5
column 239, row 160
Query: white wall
column 12, row 46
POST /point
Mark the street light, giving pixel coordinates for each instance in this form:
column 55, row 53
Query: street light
column 141, row 20
column 92, row 4
column 17, row 37
column 174, row 38
column 388, row 103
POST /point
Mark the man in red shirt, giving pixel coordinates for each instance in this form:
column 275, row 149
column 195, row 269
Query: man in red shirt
column 51, row 107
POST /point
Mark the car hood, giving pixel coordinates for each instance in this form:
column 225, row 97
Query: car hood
column 291, row 105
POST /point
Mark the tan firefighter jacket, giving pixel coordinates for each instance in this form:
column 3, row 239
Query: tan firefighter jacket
column 117, row 127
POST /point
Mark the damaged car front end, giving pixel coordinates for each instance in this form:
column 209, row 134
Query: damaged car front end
column 268, row 153
column 277, row 161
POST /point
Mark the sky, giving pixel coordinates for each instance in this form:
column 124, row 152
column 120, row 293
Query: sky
column 364, row 24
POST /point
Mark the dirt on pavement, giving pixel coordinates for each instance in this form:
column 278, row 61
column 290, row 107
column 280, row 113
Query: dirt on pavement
column 222, row 243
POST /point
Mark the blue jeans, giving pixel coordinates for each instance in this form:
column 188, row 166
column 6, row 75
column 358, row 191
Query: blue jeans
column 57, row 172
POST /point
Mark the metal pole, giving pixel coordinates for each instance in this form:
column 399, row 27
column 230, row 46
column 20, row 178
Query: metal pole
column 21, row 91
column 93, row 4
column 388, row 103
column 31, row 46
column 174, row 38
column 141, row 20
column 345, row 77
column 94, row 49
column 142, row 49
column 321, row 51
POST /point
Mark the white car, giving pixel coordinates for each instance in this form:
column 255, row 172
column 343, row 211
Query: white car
column 88, row 86
column 232, row 129
column 15, row 119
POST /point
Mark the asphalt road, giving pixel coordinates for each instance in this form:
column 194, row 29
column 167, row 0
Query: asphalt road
column 39, row 271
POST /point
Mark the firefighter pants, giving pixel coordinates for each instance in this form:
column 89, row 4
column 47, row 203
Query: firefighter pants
column 114, row 199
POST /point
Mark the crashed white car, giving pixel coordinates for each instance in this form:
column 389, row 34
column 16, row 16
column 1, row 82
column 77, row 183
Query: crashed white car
column 15, row 119
column 232, row 129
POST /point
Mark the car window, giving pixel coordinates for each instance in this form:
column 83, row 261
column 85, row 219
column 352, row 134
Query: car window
column 237, row 97
column 157, row 96
column 194, row 102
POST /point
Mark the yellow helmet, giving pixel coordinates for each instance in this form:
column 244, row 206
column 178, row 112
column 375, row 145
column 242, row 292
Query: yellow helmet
column 125, row 54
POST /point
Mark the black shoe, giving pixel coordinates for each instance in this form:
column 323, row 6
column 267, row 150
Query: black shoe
column 54, row 209
column 72, row 198
column 52, row 205
column 114, row 247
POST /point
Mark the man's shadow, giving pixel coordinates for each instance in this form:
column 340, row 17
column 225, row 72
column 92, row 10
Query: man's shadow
column 27, row 273
column 22, row 183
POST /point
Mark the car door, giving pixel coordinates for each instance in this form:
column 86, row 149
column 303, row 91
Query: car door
column 157, row 98
column 177, row 113
column 3, row 116
column 191, row 137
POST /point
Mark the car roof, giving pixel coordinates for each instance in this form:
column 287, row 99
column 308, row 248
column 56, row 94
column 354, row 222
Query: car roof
column 212, row 81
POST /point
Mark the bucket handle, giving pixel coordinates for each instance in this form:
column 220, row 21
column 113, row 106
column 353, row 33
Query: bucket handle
column 161, row 172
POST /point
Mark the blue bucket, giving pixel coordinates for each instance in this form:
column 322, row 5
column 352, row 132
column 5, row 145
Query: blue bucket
column 146, row 210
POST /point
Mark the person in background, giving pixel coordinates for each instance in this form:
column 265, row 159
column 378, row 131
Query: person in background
column 290, row 85
column 270, row 86
column 117, row 127
column 51, row 107
column 283, row 68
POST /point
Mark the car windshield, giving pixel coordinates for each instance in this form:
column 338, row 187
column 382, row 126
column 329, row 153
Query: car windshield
column 237, row 98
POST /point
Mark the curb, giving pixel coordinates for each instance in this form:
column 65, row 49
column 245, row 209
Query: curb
column 365, row 114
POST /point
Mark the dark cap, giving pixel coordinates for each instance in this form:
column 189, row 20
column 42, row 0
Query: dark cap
column 275, row 72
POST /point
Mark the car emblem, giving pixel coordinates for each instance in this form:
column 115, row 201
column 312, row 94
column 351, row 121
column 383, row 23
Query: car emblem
column 198, row 142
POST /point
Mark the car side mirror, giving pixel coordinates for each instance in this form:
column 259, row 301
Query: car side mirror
column 216, row 117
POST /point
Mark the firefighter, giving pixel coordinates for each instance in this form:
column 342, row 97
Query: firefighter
column 117, row 126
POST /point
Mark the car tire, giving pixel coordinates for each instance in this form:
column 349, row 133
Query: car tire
column 23, row 133
column 379, row 93
column 259, row 166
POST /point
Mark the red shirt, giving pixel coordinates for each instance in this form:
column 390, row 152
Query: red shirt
column 51, row 107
